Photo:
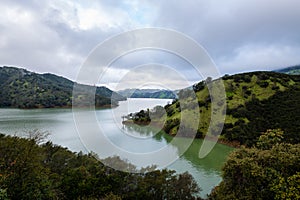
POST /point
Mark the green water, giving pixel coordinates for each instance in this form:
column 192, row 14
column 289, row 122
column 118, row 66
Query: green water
column 63, row 131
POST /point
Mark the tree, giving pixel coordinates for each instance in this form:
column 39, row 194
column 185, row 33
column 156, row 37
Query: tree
column 21, row 167
column 47, row 171
column 287, row 188
column 3, row 194
column 270, row 138
column 271, row 172
column 38, row 136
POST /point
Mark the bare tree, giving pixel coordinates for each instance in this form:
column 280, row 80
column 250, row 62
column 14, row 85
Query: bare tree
column 39, row 136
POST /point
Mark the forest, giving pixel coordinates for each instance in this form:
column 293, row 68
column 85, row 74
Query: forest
column 31, row 168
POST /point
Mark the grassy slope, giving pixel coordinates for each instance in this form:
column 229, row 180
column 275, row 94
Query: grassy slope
column 242, row 90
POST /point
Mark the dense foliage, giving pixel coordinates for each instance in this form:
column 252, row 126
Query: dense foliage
column 256, row 101
column 23, row 89
column 280, row 110
column 47, row 171
column 268, row 171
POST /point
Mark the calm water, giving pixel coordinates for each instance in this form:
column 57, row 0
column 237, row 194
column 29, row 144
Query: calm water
column 61, row 124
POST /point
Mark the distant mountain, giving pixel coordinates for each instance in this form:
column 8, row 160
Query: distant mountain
column 148, row 93
column 294, row 70
column 21, row 88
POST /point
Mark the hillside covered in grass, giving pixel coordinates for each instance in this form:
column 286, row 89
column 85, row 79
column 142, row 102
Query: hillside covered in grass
column 256, row 102
column 24, row 89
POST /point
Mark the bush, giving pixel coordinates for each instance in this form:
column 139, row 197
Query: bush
column 261, row 174
column 263, row 84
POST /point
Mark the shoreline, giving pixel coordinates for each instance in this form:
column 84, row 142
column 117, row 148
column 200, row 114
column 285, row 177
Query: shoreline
column 234, row 144
column 63, row 107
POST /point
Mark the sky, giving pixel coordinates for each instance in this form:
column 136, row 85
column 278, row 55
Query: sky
column 238, row 35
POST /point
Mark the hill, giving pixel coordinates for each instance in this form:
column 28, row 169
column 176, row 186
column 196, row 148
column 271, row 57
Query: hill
column 148, row 93
column 295, row 70
column 256, row 102
column 24, row 89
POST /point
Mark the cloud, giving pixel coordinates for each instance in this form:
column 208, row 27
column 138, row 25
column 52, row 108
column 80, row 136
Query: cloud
column 57, row 36
column 257, row 57
column 224, row 28
column 150, row 75
column 28, row 41
column 89, row 16
column 47, row 37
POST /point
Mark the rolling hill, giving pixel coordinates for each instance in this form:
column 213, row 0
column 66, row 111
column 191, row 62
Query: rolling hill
column 256, row 102
column 24, row 89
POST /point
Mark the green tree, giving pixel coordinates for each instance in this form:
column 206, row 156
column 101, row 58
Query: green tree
column 47, row 171
column 287, row 188
column 3, row 194
column 21, row 167
column 270, row 138
column 271, row 173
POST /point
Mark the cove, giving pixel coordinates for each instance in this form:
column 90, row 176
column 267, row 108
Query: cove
column 60, row 123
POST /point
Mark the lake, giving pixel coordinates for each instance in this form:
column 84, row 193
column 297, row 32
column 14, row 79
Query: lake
column 129, row 139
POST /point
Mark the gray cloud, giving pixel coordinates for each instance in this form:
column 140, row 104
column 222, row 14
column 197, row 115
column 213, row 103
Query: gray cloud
column 57, row 36
column 228, row 28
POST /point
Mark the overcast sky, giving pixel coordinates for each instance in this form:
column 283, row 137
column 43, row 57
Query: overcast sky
column 239, row 35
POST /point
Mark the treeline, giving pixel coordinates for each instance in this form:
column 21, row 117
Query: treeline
column 148, row 93
column 164, row 94
column 23, row 89
column 47, row 171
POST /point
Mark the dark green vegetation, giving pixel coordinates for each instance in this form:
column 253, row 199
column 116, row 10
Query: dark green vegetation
column 256, row 102
column 23, row 89
column 262, row 114
column 148, row 93
column 273, row 103
column 270, row 170
column 47, row 171
column 144, row 117
column 295, row 70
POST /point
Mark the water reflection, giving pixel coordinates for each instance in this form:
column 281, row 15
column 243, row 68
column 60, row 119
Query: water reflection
column 60, row 123
column 211, row 163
